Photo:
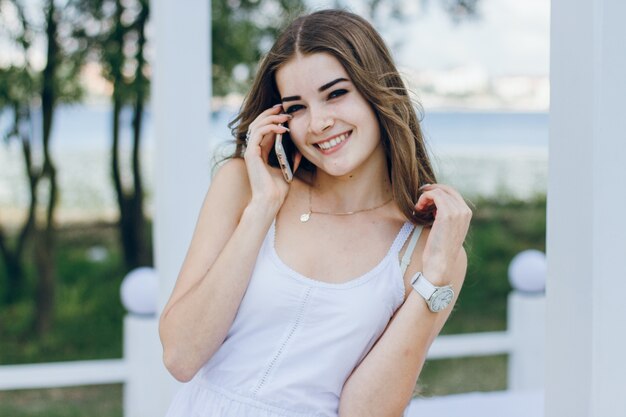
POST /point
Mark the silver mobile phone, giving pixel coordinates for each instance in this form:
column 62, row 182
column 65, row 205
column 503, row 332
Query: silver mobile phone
column 282, row 158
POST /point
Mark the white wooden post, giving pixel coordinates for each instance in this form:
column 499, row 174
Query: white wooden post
column 526, row 320
column 526, row 325
column 181, row 93
column 142, row 376
column 142, row 353
column 586, row 246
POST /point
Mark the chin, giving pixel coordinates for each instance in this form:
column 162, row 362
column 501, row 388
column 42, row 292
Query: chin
column 338, row 171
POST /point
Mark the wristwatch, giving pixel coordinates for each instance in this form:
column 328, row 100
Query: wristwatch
column 437, row 298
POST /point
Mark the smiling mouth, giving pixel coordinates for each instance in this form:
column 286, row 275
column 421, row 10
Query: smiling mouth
column 336, row 141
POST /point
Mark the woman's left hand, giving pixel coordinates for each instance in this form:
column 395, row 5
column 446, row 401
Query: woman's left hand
column 452, row 218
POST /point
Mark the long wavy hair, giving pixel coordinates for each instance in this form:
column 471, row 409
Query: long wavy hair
column 362, row 52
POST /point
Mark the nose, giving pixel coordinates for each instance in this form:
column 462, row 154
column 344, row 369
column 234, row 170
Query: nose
column 320, row 122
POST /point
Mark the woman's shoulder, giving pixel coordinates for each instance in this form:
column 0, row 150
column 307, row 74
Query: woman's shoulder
column 231, row 167
column 230, row 191
column 232, row 176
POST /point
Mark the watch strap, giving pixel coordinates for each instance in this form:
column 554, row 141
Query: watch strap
column 423, row 287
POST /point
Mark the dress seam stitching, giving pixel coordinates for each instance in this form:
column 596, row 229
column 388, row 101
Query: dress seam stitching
column 283, row 345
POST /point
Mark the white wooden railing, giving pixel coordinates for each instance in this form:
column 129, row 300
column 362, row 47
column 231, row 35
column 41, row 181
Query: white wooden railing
column 522, row 341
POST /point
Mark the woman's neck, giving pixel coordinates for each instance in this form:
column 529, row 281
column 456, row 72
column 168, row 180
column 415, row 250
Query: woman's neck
column 356, row 191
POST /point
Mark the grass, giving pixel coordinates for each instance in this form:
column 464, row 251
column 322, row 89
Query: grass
column 88, row 316
column 88, row 311
column 96, row 401
column 454, row 376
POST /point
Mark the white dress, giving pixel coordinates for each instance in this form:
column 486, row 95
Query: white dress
column 294, row 341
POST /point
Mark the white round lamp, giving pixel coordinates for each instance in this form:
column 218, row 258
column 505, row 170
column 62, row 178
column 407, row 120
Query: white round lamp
column 139, row 291
column 527, row 271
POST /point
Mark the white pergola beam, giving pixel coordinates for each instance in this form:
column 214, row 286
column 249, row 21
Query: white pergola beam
column 586, row 234
column 181, row 94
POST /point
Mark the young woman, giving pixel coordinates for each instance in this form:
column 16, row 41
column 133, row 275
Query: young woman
column 295, row 298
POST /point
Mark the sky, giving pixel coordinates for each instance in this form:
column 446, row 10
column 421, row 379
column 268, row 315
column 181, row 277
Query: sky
column 510, row 38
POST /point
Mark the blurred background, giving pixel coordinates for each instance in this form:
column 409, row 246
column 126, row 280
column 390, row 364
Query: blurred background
column 76, row 161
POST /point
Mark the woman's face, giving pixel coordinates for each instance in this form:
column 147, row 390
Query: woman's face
column 333, row 125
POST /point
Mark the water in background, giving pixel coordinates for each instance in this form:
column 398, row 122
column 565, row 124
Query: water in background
column 480, row 153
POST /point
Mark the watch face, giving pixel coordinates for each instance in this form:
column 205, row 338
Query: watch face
column 440, row 299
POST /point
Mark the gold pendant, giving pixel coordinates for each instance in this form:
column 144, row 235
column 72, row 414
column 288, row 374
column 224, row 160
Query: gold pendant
column 305, row 217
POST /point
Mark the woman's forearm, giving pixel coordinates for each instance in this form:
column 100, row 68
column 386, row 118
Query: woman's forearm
column 195, row 325
column 382, row 384
column 384, row 381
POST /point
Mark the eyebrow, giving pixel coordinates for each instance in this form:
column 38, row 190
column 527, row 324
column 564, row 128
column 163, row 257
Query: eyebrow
column 322, row 88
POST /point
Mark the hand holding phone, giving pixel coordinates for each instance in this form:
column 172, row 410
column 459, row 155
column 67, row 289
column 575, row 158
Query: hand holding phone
column 281, row 155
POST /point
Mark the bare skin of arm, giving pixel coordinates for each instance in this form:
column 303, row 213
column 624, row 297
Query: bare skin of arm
column 241, row 204
column 215, row 273
column 382, row 384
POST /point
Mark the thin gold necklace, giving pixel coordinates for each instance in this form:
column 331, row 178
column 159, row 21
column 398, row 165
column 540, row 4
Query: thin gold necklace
column 304, row 217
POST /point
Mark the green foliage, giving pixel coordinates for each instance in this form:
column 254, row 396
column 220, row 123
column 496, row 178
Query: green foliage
column 242, row 31
column 116, row 42
column 99, row 400
column 17, row 86
column 88, row 308
column 500, row 229
column 71, row 39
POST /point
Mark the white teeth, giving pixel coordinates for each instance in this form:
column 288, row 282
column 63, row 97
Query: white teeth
column 333, row 142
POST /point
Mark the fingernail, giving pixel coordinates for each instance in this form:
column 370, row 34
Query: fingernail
column 277, row 105
column 424, row 186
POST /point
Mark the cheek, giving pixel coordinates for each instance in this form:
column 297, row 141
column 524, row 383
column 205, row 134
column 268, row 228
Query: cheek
column 372, row 121
column 297, row 130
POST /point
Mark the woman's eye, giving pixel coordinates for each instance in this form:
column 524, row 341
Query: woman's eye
column 337, row 93
column 332, row 95
column 293, row 108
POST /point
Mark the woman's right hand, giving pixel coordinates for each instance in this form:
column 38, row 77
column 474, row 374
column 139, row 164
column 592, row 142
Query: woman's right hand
column 269, row 188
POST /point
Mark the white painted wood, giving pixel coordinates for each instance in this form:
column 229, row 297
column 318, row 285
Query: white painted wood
column 586, row 336
column 609, row 214
column 181, row 93
column 140, row 338
column 62, row 374
column 526, row 324
column 471, row 344
column 181, row 105
column 479, row 404
column 569, row 228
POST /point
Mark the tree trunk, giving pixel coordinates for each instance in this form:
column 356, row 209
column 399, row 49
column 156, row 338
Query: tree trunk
column 13, row 257
column 132, row 223
column 144, row 250
column 126, row 222
column 45, row 242
column 132, row 220
column 15, row 272
column 45, row 291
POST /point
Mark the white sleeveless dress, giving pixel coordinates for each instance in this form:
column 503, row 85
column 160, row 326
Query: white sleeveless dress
column 294, row 341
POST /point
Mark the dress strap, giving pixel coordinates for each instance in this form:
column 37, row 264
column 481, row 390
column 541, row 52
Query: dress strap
column 401, row 238
column 406, row 259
